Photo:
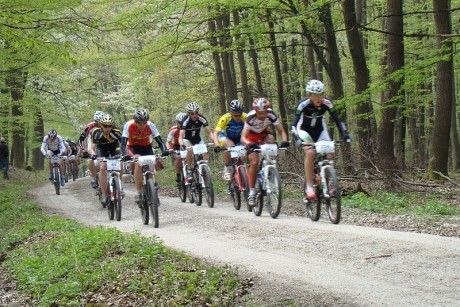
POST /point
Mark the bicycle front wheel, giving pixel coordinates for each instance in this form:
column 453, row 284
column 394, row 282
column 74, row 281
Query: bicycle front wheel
column 273, row 192
column 235, row 194
column 334, row 201
column 64, row 171
column 117, row 197
column 208, row 188
column 153, row 202
column 245, row 184
column 57, row 180
column 198, row 189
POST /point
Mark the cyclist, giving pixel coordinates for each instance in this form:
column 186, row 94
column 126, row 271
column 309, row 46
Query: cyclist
column 309, row 126
column 72, row 151
column 172, row 143
column 189, row 134
column 53, row 145
column 105, row 142
column 81, row 144
column 256, row 131
column 228, row 133
column 139, row 134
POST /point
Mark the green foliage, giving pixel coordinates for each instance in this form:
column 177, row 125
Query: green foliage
column 59, row 261
column 393, row 203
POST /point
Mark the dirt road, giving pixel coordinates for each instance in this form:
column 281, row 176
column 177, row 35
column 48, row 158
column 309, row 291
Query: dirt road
column 291, row 258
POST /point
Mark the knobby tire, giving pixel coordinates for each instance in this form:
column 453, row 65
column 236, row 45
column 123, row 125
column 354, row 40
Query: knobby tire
column 117, row 198
column 110, row 203
column 153, row 202
column 57, row 180
column 208, row 187
column 334, row 202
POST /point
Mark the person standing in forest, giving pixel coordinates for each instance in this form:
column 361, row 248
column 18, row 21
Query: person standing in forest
column 309, row 126
column 4, row 156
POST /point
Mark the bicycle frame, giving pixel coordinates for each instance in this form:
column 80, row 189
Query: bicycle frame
column 268, row 153
column 113, row 171
column 198, row 160
column 236, row 153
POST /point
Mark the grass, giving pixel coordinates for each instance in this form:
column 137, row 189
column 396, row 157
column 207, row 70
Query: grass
column 400, row 203
column 61, row 262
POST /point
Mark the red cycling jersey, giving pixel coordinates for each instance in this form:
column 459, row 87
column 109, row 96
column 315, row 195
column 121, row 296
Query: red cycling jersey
column 173, row 135
column 141, row 138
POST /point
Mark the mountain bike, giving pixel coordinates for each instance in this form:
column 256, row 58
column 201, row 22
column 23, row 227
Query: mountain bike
column 239, row 183
column 202, row 180
column 113, row 190
column 56, row 181
column 149, row 189
column 73, row 169
column 268, row 185
column 325, row 183
column 64, row 168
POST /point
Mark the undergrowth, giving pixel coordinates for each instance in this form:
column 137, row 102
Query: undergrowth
column 61, row 262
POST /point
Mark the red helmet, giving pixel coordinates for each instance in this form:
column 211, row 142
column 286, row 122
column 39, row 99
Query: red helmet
column 261, row 104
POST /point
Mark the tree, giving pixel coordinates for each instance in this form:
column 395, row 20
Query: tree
column 439, row 151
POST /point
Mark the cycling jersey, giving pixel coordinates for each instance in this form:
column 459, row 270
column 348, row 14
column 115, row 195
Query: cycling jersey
column 229, row 127
column 255, row 125
column 73, row 148
column 85, row 134
column 56, row 146
column 173, row 135
column 193, row 128
column 106, row 144
column 140, row 138
column 311, row 119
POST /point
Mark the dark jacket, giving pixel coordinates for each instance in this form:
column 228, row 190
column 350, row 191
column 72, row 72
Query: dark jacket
column 4, row 153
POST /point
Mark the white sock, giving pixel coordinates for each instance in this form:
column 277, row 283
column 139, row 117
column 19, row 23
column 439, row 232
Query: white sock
column 252, row 191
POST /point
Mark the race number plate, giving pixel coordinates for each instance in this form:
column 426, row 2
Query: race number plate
column 237, row 151
column 146, row 160
column 183, row 154
column 200, row 149
column 324, row 146
column 54, row 159
column 72, row 157
column 113, row 165
column 269, row 149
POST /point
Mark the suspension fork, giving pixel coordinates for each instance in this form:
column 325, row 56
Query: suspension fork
column 323, row 179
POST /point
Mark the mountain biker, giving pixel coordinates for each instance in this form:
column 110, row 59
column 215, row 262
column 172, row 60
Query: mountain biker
column 309, row 126
column 81, row 144
column 256, row 131
column 189, row 134
column 105, row 142
column 172, row 143
column 53, row 145
column 73, row 151
column 139, row 134
column 228, row 133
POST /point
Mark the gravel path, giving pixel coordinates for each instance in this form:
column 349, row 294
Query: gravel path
column 291, row 259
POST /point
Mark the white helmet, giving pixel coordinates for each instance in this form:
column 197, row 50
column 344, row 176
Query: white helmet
column 98, row 116
column 180, row 116
column 315, row 87
column 192, row 107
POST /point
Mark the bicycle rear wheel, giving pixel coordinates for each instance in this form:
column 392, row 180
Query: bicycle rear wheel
column 197, row 188
column 110, row 203
column 244, row 182
column 273, row 192
column 117, row 197
column 153, row 202
column 314, row 206
column 235, row 194
column 334, row 202
column 208, row 188
column 182, row 188
column 259, row 205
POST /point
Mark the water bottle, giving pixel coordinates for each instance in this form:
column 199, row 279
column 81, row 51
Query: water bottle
column 261, row 178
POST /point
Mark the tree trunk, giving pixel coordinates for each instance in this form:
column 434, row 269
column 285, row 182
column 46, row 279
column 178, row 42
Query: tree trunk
column 439, row 153
column 227, row 71
column 17, row 82
column 38, row 133
column 364, row 109
column 218, row 68
column 393, row 97
column 255, row 65
column 242, row 65
column 278, row 73
column 311, row 63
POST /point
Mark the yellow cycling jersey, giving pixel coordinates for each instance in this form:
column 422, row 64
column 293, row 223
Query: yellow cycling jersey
column 229, row 127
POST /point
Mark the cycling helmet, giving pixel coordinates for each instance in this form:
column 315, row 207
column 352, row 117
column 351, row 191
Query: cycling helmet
column 192, row 107
column 180, row 116
column 107, row 119
column 236, row 106
column 261, row 104
column 52, row 134
column 315, row 87
column 98, row 116
column 141, row 115
column 2, row 140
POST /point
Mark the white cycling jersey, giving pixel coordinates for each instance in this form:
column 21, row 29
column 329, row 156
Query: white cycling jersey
column 53, row 145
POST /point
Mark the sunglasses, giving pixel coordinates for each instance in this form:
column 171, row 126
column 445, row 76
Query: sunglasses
column 107, row 126
column 237, row 115
column 192, row 113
